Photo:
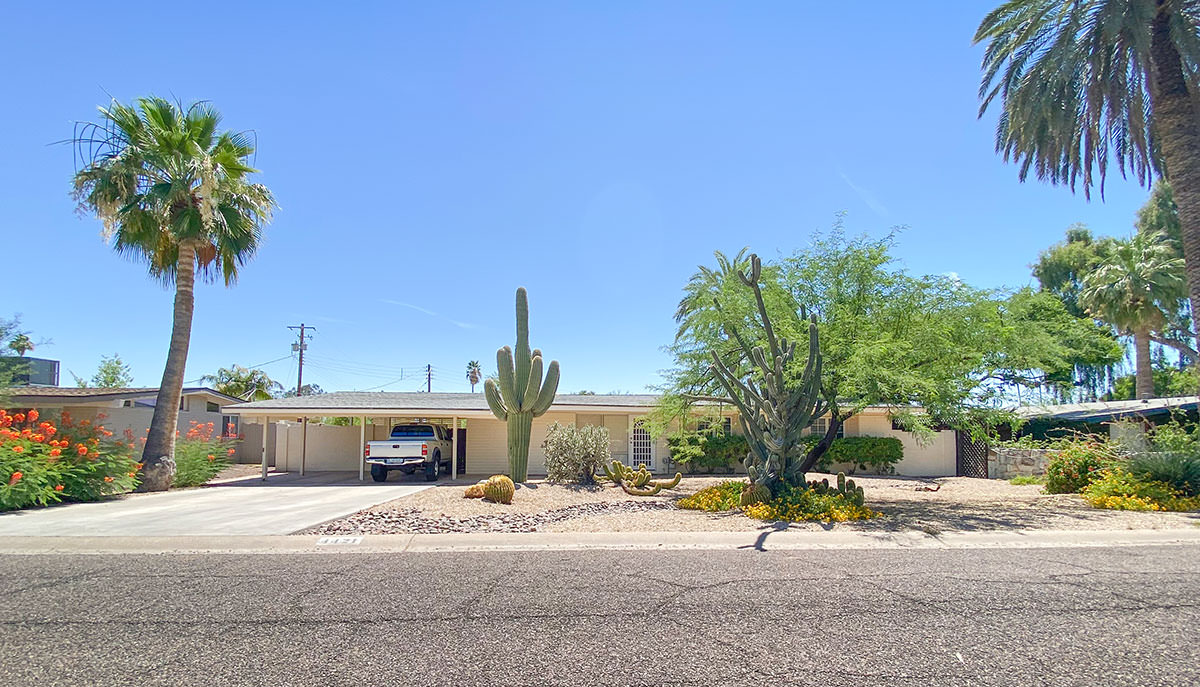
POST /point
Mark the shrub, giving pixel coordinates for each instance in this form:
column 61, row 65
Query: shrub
column 1180, row 470
column 1027, row 479
column 199, row 456
column 695, row 451
column 877, row 454
column 43, row 462
column 717, row 498
column 1076, row 464
column 1119, row 489
column 574, row 454
column 798, row 504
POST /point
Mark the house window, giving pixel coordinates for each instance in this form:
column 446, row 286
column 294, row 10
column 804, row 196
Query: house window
column 212, row 407
column 230, row 425
column 821, row 425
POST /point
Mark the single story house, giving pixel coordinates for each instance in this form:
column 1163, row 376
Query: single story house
column 1104, row 417
column 124, row 409
column 294, row 443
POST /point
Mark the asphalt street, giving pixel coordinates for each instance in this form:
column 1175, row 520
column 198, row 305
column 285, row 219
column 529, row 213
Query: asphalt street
column 1050, row 616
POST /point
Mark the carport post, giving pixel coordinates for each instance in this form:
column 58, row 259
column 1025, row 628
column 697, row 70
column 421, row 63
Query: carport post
column 266, row 428
column 362, row 442
column 454, row 449
column 303, row 442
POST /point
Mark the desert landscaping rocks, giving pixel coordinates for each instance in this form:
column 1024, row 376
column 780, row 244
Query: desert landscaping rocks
column 412, row 521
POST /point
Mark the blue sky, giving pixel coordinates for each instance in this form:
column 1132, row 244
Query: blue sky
column 428, row 158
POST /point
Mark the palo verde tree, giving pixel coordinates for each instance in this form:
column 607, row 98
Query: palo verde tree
column 1084, row 81
column 887, row 338
column 172, row 190
column 774, row 409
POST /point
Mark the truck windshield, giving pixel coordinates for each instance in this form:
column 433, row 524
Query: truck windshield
column 412, row 431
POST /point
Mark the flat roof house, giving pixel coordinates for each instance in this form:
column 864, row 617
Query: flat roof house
column 125, row 408
column 481, row 439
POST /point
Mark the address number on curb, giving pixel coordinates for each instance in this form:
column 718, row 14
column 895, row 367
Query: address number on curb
column 338, row 541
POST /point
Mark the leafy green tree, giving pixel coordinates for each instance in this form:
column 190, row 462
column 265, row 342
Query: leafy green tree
column 1135, row 290
column 112, row 373
column 306, row 390
column 474, row 373
column 174, row 191
column 1084, row 81
column 1170, row 379
column 21, row 343
column 887, row 337
column 10, row 368
column 244, row 383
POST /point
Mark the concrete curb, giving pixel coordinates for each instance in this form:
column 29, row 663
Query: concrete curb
column 627, row 541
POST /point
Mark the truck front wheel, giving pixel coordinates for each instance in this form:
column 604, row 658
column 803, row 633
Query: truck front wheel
column 379, row 473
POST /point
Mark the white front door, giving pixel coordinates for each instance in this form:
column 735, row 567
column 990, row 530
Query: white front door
column 641, row 446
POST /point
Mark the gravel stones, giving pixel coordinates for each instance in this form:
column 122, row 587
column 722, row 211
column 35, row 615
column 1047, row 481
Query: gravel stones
column 413, row 521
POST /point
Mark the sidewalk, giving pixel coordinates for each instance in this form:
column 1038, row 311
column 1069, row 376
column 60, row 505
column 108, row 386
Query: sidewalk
column 769, row 540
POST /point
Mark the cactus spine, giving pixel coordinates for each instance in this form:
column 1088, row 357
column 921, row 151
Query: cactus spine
column 520, row 393
column 773, row 412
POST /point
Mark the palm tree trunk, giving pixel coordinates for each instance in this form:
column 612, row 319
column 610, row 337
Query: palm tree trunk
column 1144, row 378
column 158, row 458
column 1177, row 130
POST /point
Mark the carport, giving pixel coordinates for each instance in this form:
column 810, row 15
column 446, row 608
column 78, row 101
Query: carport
column 302, row 443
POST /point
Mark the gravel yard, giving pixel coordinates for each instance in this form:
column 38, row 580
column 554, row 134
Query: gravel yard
column 930, row 505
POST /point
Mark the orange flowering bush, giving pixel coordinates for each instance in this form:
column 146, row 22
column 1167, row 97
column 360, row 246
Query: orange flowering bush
column 200, row 455
column 44, row 462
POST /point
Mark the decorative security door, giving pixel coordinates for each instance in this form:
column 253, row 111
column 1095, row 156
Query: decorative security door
column 641, row 446
column 971, row 457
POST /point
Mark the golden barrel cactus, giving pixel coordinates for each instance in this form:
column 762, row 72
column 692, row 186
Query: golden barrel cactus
column 499, row 488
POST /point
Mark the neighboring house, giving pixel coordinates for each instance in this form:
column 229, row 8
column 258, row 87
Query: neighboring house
column 482, row 439
column 125, row 409
column 1104, row 417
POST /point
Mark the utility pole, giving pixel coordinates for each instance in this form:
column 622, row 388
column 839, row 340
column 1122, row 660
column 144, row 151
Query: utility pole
column 300, row 347
column 428, row 378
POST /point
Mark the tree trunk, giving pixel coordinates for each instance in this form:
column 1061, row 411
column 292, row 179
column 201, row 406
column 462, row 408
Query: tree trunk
column 1177, row 132
column 815, row 453
column 1144, row 386
column 158, row 458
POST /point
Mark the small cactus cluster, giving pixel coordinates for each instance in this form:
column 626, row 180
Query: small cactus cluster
column 845, row 487
column 635, row 482
column 497, row 488
column 754, row 493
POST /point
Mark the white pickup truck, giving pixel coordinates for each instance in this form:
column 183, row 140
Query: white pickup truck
column 410, row 447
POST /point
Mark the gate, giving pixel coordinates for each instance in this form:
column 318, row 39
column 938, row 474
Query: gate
column 971, row 457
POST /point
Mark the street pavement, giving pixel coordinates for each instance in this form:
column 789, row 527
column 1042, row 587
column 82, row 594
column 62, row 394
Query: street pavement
column 282, row 504
column 1124, row 615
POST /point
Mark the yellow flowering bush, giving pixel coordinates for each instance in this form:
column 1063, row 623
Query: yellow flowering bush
column 1118, row 489
column 806, row 505
column 717, row 498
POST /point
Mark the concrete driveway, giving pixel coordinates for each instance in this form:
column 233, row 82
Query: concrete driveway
column 283, row 504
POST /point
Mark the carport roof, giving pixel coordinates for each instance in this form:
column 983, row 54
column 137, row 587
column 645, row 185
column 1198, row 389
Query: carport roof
column 404, row 403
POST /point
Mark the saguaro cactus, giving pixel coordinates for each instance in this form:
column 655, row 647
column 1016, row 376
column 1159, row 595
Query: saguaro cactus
column 520, row 394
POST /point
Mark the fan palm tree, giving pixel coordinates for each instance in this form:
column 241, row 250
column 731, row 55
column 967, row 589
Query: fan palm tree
column 22, row 344
column 174, row 192
column 1136, row 289
column 474, row 374
column 1082, row 80
column 244, row 383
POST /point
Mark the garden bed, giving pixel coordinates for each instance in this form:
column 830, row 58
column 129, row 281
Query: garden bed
column 957, row 503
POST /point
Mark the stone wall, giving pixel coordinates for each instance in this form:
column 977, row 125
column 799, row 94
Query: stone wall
column 1006, row 463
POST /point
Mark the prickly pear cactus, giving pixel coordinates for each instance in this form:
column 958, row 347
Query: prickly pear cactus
column 519, row 393
column 499, row 488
